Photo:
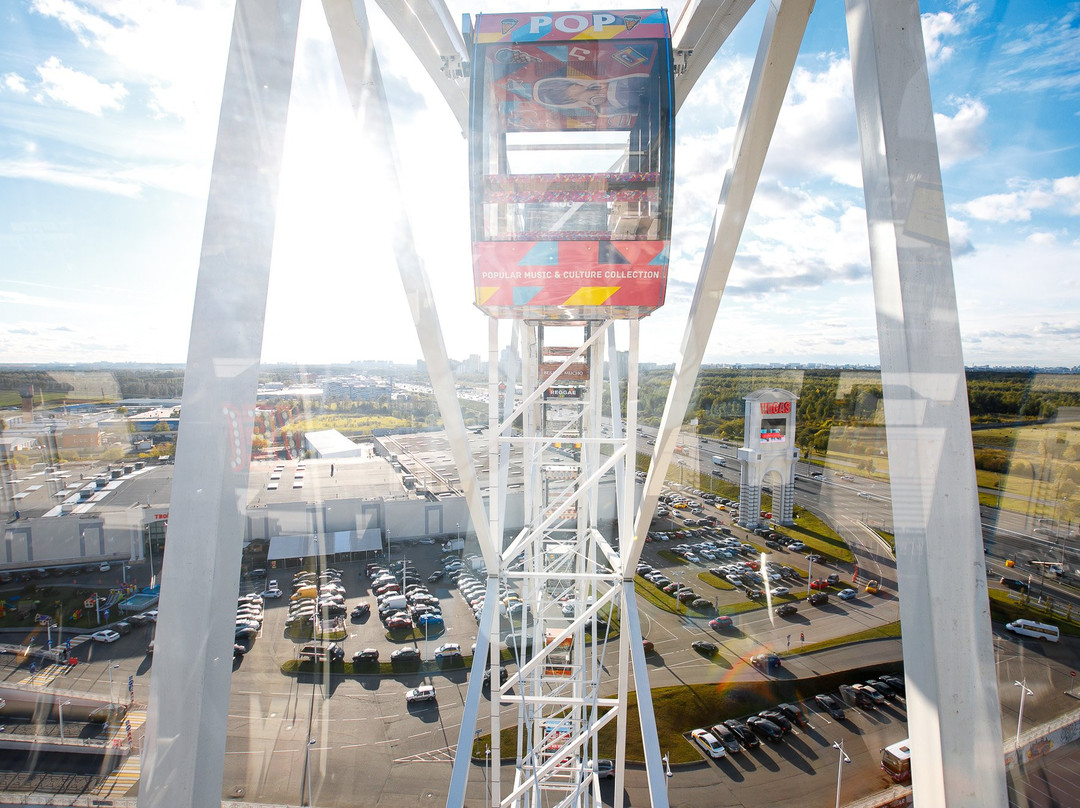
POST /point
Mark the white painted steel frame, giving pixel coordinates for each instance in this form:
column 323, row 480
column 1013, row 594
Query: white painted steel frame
column 930, row 451
column 187, row 717
column 952, row 696
column 779, row 45
column 538, row 694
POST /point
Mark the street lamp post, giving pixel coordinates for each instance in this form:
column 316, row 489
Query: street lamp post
column 1020, row 718
column 111, row 669
column 63, row 704
column 809, row 575
column 840, row 768
column 487, row 765
column 307, row 770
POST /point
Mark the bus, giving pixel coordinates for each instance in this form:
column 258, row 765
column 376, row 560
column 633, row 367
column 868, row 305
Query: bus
column 1030, row 628
column 896, row 761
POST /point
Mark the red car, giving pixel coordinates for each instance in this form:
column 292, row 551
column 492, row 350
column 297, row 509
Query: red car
column 723, row 621
column 818, row 583
column 399, row 622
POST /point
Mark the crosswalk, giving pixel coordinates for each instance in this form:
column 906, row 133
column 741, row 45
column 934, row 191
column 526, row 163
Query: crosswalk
column 122, row 780
column 444, row 755
column 44, row 677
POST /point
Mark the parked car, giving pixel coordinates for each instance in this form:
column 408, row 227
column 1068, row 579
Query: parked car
column 648, row 646
column 422, row 693
column 447, row 650
column 360, row 610
column 105, row 635
column 895, row 682
column 830, row 705
column 503, row 676
column 765, row 728
column 743, row 733
column 708, row 743
column 317, row 652
column 793, row 713
column 368, row 655
column 819, row 583
column 777, row 718
column 405, row 655
column 883, row 688
column 728, row 738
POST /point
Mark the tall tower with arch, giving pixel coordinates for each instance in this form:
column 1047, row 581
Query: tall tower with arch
column 768, row 456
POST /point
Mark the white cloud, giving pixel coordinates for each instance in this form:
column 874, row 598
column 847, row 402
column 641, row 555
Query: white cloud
column 79, row 90
column 175, row 49
column 939, row 28
column 1061, row 195
column 1040, row 56
column 960, row 136
column 818, row 118
column 1042, row 239
column 15, row 83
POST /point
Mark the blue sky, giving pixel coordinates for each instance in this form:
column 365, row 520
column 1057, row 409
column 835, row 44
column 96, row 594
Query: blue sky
column 108, row 110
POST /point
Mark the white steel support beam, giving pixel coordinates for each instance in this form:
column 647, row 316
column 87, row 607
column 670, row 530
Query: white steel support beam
column 701, row 29
column 429, row 30
column 780, row 40
column 188, row 710
column 459, row 775
column 953, row 707
column 363, row 80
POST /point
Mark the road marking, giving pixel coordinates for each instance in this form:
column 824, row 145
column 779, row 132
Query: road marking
column 122, row 780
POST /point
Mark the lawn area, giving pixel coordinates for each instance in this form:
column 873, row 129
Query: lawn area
column 817, row 535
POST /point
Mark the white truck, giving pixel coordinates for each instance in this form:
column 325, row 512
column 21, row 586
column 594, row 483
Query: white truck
column 718, row 461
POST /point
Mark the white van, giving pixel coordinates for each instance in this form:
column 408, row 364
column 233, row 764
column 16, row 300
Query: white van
column 1029, row 628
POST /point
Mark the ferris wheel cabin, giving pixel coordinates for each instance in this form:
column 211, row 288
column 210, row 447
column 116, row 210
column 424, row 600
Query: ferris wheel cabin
column 571, row 164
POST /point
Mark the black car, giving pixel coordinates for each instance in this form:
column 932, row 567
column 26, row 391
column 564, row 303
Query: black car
column 704, row 647
column 895, row 682
column 830, row 705
column 754, row 594
column 360, row 610
column 814, row 558
column 368, row 655
column 818, row 599
column 793, row 714
column 883, row 688
column 405, row 655
column 438, row 575
column 765, row 728
column 1015, row 585
column 786, row 610
column 503, row 676
column 743, row 733
column 777, row 718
